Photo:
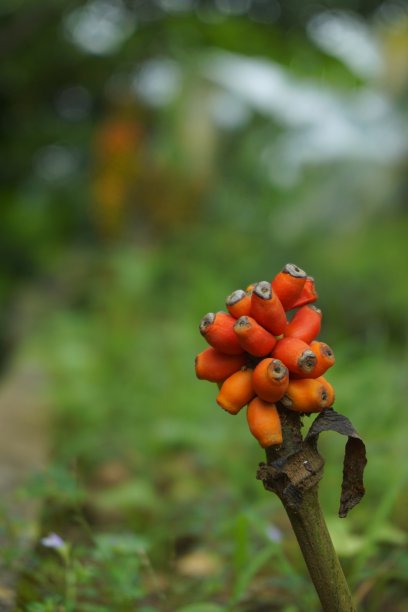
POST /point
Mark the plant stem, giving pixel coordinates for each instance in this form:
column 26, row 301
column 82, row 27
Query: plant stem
column 293, row 471
column 318, row 552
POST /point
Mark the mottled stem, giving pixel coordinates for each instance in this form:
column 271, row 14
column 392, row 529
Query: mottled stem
column 293, row 471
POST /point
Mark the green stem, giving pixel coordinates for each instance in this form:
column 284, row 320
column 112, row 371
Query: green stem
column 293, row 471
column 70, row 587
column 318, row 552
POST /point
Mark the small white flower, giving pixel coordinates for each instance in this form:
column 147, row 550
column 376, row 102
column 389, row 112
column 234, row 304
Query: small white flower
column 273, row 533
column 53, row 540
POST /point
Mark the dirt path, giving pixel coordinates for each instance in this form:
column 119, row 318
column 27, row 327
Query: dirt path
column 23, row 451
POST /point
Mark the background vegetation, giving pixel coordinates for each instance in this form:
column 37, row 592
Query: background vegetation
column 155, row 157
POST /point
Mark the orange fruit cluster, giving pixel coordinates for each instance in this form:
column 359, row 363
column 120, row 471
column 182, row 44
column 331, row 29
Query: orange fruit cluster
column 258, row 357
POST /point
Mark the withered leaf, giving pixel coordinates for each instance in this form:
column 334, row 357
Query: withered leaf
column 352, row 488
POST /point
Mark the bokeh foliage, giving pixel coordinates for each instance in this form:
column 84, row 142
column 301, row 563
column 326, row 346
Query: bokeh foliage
column 146, row 174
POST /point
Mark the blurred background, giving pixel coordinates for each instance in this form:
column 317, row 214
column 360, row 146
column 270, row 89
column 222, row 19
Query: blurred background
column 157, row 155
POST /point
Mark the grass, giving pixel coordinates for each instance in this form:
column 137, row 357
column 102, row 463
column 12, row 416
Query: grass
column 153, row 487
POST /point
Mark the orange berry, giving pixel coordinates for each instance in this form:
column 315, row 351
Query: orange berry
column 306, row 395
column 305, row 324
column 238, row 303
column 270, row 379
column 264, row 422
column 329, row 388
column 267, row 309
column 307, row 295
column 215, row 366
column 325, row 358
column 288, row 284
column 253, row 338
column 236, row 391
column 296, row 355
column 218, row 330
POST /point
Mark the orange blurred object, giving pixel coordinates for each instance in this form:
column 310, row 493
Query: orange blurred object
column 116, row 151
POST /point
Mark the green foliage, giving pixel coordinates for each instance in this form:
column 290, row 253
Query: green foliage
column 143, row 430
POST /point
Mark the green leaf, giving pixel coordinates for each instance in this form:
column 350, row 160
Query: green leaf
column 134, row 494
column 112, row 544
column 254, row 565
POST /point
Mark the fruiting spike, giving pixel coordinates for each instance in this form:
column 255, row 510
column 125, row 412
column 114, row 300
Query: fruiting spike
column 259, row 358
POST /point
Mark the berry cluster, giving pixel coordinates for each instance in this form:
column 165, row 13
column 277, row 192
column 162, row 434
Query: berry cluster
column 259, row 358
